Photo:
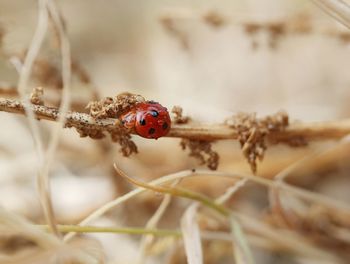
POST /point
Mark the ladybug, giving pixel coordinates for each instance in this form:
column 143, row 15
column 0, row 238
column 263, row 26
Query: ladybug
column 149, row 119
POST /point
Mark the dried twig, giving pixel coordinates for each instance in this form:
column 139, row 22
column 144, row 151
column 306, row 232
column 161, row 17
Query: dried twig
column 292, row 134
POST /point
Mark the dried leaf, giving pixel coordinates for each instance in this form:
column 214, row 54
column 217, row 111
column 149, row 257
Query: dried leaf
column 191, row 235
column 241, row 249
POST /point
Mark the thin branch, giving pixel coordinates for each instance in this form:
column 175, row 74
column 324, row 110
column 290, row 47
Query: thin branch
column 294, row 132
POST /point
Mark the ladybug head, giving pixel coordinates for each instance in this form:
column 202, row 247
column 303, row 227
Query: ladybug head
column 152, row 120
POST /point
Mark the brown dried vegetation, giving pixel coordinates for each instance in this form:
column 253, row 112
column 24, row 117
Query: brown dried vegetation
column 113, row 107
column 36, row 97
column 276, row 30
column 178, row 117
column 252, row 133
column 170, row 26
column 214, row 19
column 201, row 150
column 311, row 226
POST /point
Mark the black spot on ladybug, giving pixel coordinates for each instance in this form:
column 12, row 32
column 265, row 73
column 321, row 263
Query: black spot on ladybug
column 152, row 102
column 165, row 126
column 151, row 131
column 142, row 122
column 154, row 113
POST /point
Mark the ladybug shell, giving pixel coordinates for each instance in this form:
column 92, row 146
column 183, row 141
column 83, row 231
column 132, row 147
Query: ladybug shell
column 149, row 119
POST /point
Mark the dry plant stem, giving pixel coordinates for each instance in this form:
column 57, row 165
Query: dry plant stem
column 338, row 9
column 241, row 250
column 231, row 191
column 12, row 222
column 123, row 230
column 207, row 235
column 192, row 241
column 288, row 240
column 73, row 119
column 64, row 107
column 308, row 131
column 280, row 177
column 152, row 223
column 177, row 192
column 302, row 193
column 108, row 206
column 25, row 72
column 43, row 185
column 191, row 235
column 221, row 210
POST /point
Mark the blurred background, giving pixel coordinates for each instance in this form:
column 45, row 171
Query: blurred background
column 214, row 59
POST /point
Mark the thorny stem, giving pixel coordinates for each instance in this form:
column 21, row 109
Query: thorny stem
column 209, row 132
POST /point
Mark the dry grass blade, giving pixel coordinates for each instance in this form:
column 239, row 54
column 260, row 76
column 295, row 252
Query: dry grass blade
column 47, row 248
column 241, row 249
column 279, row 237
column 338, row 9
column 287, row 239
column 193, row 253
column 255, row 239
column 56, row 130
column 14, row 223
column 191, row 235
column 177, row 192
column 290, row 204
column 117, row 230
column 282, row 176
column 242, row 252
column 231, row 190
column 108, row 206
column 152, row 223
column 26, row 69
column 25, row 72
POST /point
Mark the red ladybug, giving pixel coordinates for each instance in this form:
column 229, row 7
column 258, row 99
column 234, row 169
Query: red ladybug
column 149, row 119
